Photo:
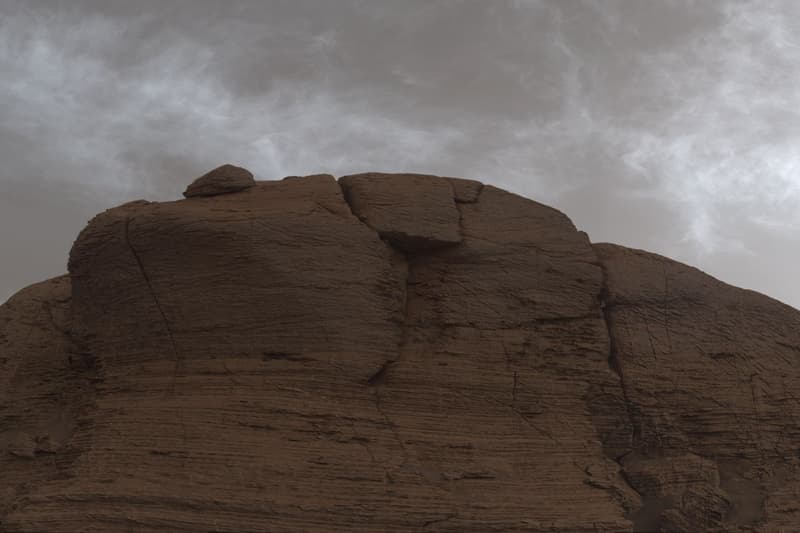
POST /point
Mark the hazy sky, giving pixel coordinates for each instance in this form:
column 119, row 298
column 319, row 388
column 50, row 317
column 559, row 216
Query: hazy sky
column 672, row 126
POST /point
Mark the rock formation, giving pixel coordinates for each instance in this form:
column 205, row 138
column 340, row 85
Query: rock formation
column 221, row 180
column 388, row 353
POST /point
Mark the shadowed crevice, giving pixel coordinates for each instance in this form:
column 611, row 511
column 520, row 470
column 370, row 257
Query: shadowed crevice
column 615, row 366
column 379, row 377
column 459, row 205
column 137, row 257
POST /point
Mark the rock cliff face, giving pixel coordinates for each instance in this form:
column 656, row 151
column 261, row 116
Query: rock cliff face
column 388, row 353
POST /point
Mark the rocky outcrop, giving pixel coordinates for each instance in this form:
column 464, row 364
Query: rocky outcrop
column 388, row 353
column 222, row 180
column 710, row 377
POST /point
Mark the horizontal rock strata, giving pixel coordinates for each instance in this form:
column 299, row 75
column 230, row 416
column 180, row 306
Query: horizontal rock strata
column 388, row 353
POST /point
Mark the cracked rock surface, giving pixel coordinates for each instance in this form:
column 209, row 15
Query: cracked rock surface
column 389, row 353
column 711, row 378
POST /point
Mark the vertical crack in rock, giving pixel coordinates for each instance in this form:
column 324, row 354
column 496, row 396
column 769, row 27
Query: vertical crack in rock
column 348, row 200
column 458, row 208
column 403, row 340
column 460, row 202
column 614, row 363
column 391, row 425
column 157, row 302
column 616, row 366
column 378, row 379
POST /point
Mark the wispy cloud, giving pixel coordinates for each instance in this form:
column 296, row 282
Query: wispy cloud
column 726, row 145
column 671, row 125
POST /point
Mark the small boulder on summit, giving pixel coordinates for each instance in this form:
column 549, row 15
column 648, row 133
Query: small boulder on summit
column 222, row 180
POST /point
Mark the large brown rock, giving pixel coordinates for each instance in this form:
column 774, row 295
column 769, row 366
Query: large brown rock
column 222, row 180
column 388, row 353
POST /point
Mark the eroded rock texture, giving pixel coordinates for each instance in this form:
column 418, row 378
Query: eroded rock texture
column 388, row 353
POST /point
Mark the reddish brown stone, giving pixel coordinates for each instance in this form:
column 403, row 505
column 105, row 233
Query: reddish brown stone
column 419, row 353
column 414, row 212
column 222, row 180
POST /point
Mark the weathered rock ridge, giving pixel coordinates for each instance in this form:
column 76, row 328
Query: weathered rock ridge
column 389, row 353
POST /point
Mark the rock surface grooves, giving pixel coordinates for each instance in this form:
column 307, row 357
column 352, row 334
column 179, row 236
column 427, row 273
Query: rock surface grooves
column 392, row 352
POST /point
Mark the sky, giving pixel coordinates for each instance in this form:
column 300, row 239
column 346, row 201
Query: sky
column 667, row 125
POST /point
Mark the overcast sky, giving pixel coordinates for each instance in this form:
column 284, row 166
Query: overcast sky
column 672, row 126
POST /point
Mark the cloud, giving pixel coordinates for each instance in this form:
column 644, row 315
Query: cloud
column 671, row 126
column 726, row 145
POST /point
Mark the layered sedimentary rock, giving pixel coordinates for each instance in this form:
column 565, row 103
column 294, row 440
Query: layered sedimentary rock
column 388, row 353
column 711, row 377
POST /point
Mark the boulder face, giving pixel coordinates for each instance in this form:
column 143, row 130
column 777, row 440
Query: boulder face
column 389, row 353
column 222, row 180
